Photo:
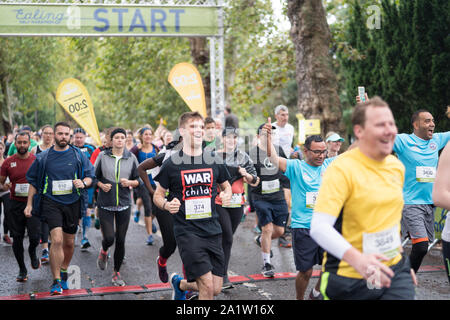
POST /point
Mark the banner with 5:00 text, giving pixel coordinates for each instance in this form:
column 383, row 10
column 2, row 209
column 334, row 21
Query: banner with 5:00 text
column 106, row 20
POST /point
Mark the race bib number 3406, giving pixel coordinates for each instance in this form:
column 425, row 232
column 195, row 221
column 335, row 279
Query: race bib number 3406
column 425, row 174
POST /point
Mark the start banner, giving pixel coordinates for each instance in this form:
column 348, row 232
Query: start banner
column 102, row 20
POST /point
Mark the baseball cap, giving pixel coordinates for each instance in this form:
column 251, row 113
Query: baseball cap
column 25, row 128
column 335, row 137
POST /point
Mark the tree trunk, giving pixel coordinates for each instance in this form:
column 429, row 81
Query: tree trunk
column 317, row 85
column 5, row 126
column 200, row 57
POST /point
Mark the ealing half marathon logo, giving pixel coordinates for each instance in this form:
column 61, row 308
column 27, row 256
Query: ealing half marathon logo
column 50, row 17
column 38, row 16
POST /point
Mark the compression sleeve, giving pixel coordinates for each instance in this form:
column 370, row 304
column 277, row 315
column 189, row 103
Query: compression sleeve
column 326, row 236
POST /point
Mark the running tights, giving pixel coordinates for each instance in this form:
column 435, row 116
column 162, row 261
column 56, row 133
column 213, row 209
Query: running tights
column 117, row 234
column 446, row 255
column 229, row 219
column 18, row 250
column 165, row 222
column 5, row 200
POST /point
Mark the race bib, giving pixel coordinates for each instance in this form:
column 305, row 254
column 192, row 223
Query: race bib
column 270, row 186
column 61, row 187
column 21, row 190
column 311, row 198
column 198, row 208
column 425, row 174
column 386, row 242
column 235, row 202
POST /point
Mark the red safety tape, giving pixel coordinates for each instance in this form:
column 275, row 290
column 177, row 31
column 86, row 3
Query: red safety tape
column 163, row 286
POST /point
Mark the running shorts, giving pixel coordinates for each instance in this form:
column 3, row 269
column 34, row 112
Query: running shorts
column 17, row 222
column 201, row 255
column 65, row 216
column 418, row 220
column 275, row 212
column 307, row 253
column 336, row 287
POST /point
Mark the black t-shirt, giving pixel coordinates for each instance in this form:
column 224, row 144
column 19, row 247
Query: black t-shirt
column 270, row 188
column 194, row 182
column 159, row 158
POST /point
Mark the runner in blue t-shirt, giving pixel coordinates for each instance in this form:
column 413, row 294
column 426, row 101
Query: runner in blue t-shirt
column 57, row 180
column 306, row 177
column 419, row 152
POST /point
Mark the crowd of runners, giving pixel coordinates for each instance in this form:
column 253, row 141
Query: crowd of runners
column 347, row 211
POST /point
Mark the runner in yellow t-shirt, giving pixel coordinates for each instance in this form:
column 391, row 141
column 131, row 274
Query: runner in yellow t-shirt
column 358, row 211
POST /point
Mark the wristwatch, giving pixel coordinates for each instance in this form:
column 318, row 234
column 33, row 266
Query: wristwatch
column 84, row 183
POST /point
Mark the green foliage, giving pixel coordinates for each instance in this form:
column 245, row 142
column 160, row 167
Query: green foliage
column 130, row 78
column 405, row 61
column 30, row 66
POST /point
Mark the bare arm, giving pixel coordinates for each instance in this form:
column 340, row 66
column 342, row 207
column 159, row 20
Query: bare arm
column 441, row 188
column 280, row 162
column 31, row 192
column 142, row 169
column 159, row 198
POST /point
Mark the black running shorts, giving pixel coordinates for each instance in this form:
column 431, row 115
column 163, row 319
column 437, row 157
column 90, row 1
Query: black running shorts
column 201, row 255
column 65, row 216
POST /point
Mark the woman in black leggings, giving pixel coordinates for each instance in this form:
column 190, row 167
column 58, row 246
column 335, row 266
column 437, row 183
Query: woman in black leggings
column 116, row 171
column 241, row 169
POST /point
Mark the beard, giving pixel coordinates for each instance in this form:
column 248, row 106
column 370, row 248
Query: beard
column 22, row 151
column 61, row 143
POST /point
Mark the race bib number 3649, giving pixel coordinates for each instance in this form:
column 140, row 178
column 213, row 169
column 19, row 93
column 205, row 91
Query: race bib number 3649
column 386, row 242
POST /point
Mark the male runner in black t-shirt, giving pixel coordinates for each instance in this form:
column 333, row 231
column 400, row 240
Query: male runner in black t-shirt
column 192, row 177
column 269, row 202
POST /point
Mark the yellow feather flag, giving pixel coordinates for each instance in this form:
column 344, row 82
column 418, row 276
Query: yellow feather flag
column 74, row 98
column 186, row 80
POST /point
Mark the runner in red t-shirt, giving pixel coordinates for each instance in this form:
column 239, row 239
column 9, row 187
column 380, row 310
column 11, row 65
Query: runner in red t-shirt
column 15, row 168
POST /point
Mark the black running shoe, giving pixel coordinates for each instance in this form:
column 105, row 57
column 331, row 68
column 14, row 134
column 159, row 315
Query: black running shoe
column 268, row 271
column 35, row 261
column 22, row 277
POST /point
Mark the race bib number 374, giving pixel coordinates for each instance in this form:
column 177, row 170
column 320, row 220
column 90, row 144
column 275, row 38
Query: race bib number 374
column 198, row 208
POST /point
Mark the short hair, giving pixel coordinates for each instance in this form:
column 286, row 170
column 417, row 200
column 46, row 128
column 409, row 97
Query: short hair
column 281, row 108
column 61, row 124
column 187, row 116
column 228, row 109
column 359, row 113
column 311, row 139
column 45, row 127
column 416, row 114
column 22, row 133
column 79, row 130
column 209, row 120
